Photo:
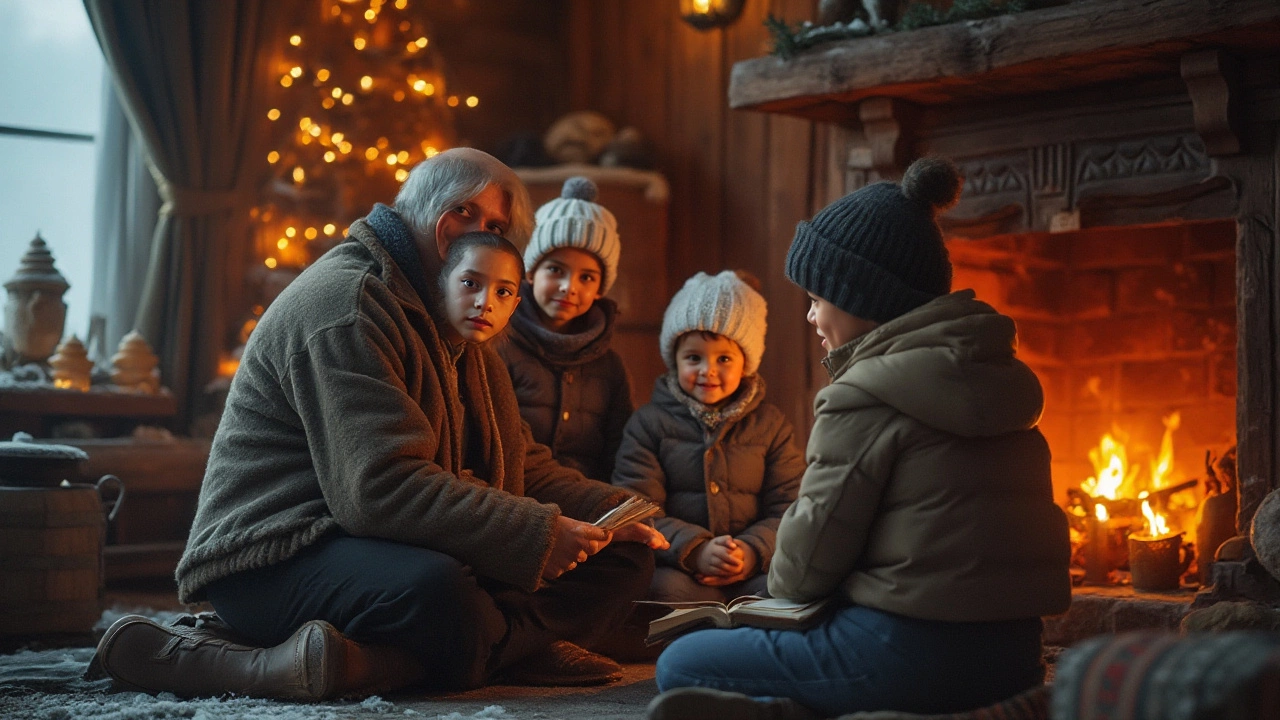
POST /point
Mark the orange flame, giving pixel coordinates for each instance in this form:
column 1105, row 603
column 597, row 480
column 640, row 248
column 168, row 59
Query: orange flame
column 1156, row 525
column 1111, row 465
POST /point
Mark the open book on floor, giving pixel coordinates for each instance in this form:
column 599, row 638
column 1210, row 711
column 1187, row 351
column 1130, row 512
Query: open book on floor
column 749, row 610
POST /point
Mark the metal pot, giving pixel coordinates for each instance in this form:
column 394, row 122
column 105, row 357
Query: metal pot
column 52, row 532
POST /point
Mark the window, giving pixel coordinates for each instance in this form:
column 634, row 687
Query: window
column 51, row 83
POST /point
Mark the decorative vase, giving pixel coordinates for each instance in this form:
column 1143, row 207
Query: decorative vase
column 134, row 366
column 72, row 368
column 35, row 313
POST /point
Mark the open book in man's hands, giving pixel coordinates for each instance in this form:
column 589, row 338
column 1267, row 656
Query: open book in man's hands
column 749, row 610
column 632, row 510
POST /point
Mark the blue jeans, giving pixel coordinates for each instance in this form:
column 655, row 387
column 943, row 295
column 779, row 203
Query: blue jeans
column 862, row 659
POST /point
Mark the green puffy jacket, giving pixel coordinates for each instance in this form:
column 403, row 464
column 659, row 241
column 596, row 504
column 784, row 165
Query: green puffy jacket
column 928, row 492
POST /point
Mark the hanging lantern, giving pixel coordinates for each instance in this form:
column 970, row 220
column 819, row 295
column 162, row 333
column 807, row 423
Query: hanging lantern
column 708, row 14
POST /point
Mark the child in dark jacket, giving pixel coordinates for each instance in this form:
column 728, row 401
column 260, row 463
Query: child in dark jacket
column 572, row 387
column 720, row 461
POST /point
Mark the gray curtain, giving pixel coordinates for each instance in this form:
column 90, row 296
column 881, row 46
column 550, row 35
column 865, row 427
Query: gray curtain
column 191, row 77
column 124, row 217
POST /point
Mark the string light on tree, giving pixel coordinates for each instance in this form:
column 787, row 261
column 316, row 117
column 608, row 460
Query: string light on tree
column 365, row 88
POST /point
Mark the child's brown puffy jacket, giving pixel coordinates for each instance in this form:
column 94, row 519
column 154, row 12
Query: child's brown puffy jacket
column 737, row 479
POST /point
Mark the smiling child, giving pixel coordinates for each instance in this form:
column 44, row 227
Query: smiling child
column 572, row 387
column 720, row 461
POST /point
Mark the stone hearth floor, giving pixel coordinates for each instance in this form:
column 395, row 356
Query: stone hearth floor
column 1098, row 610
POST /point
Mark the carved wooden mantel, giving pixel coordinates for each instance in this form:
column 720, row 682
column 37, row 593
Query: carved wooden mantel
column 1095, row 113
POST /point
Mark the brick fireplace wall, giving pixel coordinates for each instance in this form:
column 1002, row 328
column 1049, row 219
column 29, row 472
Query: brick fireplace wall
column 1123, row 326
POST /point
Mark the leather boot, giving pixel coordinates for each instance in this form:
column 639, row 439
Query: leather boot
column 562, row 664
column 199, row 657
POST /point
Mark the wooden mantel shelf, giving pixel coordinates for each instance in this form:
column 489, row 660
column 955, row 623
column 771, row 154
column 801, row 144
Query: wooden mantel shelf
column 1048, row 50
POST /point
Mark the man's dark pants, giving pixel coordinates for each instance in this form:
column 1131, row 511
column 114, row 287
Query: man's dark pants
column 463, row 627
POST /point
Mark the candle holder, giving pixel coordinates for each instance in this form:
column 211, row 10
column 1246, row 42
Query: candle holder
column 1156, row 564
column 1106, row 549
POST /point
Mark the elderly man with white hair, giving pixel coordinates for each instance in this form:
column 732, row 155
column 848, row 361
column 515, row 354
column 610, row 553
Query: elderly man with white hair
column 375, row 513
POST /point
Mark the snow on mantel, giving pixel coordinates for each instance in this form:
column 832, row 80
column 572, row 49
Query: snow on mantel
column 1039, row 51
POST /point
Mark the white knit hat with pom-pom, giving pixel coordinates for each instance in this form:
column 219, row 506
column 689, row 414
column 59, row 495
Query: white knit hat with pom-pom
column 724, row 304
column 575, row 220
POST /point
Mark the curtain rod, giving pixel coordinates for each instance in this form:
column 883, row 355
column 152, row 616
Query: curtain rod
column 47, row 134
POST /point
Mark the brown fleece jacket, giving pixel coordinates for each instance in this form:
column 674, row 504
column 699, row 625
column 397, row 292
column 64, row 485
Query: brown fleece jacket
column 348, row 413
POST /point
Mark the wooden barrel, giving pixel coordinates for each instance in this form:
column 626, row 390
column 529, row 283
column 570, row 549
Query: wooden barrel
column 50, row 559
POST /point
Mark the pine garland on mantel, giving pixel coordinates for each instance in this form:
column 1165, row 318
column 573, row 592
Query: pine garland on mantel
column 788, row 40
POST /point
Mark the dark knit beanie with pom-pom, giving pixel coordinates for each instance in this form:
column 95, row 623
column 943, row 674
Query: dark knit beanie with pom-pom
column 877, row 253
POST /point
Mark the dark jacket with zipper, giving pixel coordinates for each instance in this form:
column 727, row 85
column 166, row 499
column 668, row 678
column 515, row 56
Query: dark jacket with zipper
column 731, row 470
column 572, row 387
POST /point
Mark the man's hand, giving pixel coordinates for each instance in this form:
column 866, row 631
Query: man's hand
column 719, row 556
column 572, row 542
column 750, row 560
column 641, row 533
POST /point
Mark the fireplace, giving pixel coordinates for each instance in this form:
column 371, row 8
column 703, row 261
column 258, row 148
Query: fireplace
column 1120, row 203
column 1132, row 331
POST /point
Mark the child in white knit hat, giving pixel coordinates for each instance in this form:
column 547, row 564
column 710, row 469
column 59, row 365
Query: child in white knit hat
column 572, row 387
column 720, row 461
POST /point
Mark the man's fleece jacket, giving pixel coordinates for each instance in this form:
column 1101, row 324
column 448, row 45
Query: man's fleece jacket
column 928, row 491
column 349, row 412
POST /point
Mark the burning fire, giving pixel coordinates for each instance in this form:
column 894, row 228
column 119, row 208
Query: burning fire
column 1123, row 497
column 1111, row 465
column 1115, row 477
column 1156, row 525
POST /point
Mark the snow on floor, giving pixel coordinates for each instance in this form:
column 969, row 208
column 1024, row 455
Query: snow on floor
column 48, row 684
column 43, row 683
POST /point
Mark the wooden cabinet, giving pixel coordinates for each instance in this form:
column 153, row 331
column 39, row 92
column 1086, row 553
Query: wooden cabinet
column 638, row 199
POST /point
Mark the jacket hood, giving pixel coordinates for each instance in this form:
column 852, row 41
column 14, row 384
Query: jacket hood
column 949, row 364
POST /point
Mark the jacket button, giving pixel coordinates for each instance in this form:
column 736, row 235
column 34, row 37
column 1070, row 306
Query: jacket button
column 568, row 377
column 565, row 416
column 715, row 488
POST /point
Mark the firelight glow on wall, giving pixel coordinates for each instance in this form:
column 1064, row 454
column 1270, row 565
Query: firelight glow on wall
column 708, row 14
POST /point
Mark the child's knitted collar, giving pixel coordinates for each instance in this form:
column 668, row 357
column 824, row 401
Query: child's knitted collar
column 589, row 340
column 747, row 397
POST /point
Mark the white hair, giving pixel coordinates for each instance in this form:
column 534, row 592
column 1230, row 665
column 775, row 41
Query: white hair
column 441, row 183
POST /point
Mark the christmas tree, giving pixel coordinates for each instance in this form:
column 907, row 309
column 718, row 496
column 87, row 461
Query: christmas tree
column 363, row 98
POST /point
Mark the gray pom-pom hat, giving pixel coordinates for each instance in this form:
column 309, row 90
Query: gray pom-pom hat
column 575, row 220
column 723, row 304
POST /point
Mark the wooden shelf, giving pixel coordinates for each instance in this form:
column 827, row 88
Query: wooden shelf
column 95, row 403
column 39, row 410
column 1039, row 51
